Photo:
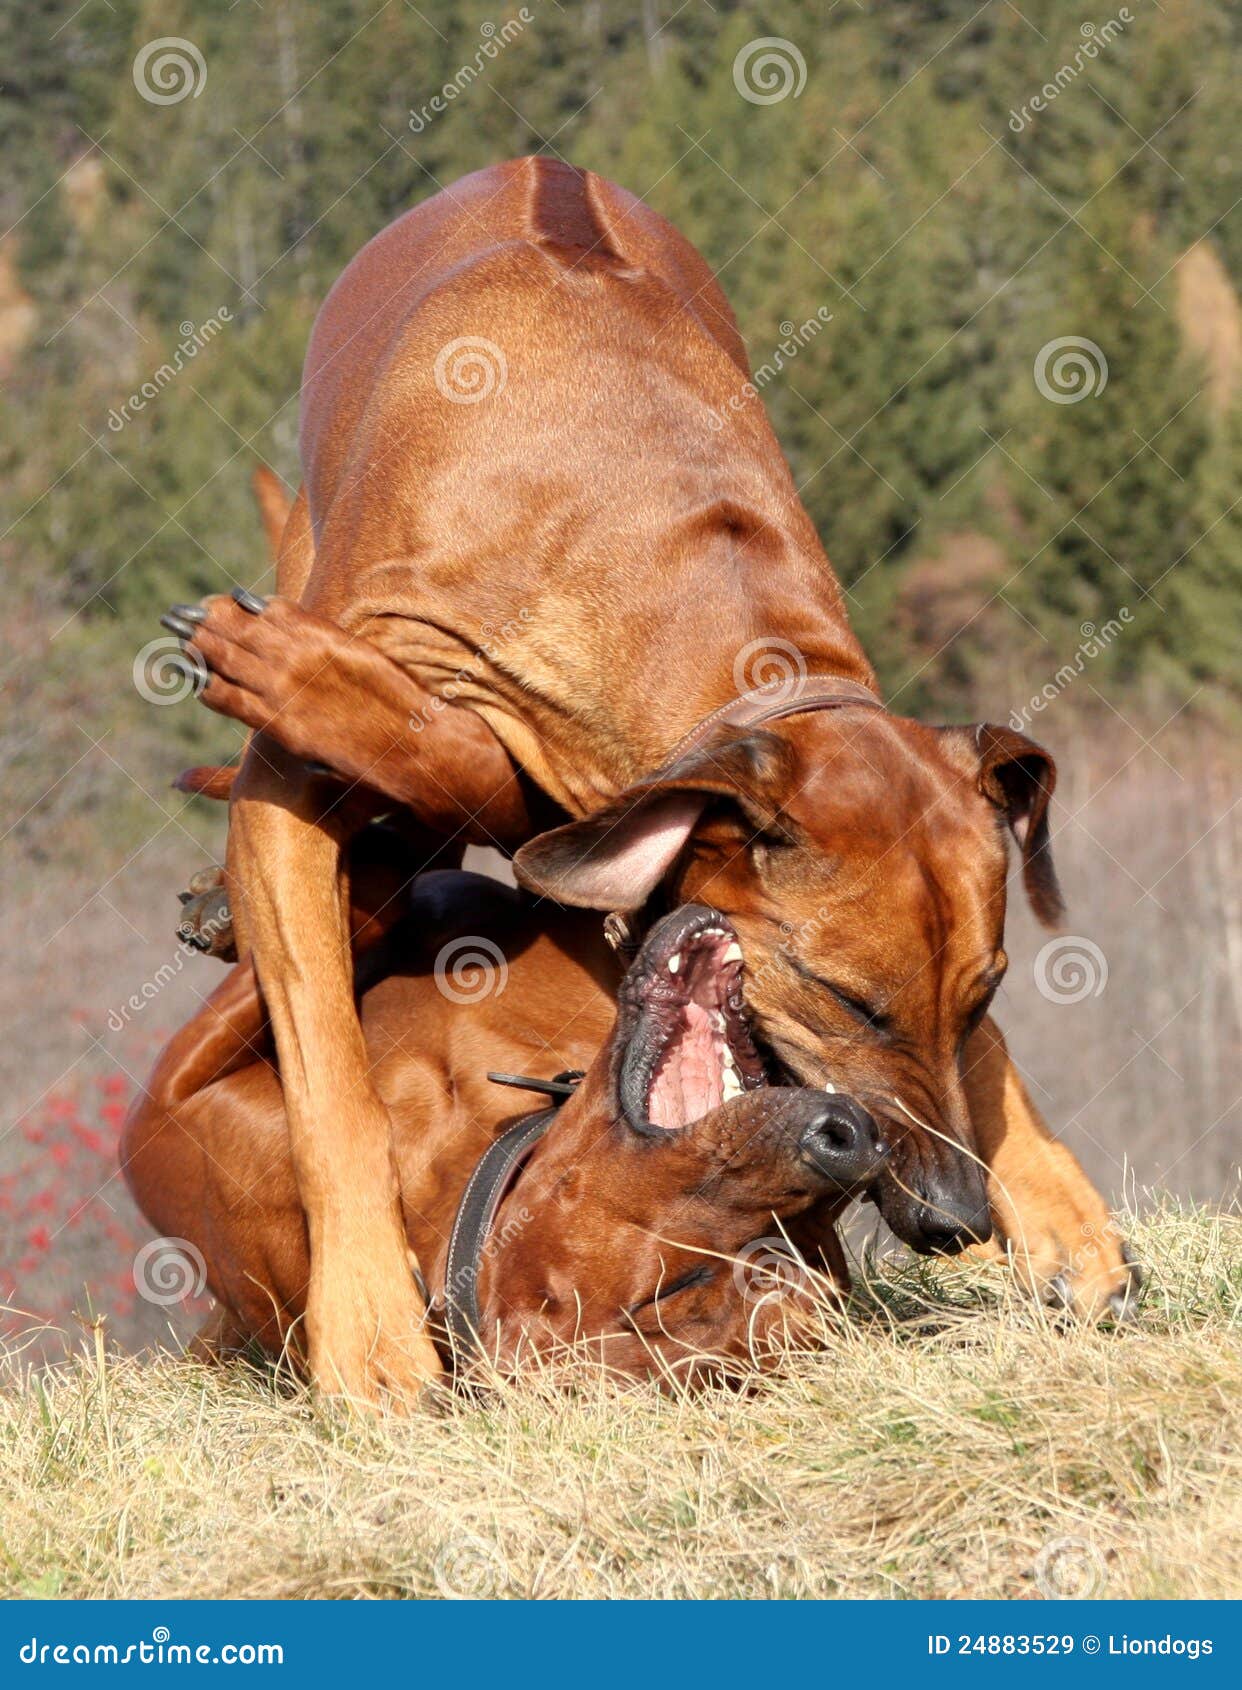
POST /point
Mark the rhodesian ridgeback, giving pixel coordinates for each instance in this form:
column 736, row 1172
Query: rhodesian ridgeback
column 544, row 529
column 643, row 1219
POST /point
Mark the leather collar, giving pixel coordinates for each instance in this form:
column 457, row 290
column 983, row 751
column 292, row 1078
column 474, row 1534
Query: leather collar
column 476, row 1212
column 771, row 703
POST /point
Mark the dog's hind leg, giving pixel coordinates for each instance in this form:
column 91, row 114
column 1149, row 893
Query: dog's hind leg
column 219, row 1339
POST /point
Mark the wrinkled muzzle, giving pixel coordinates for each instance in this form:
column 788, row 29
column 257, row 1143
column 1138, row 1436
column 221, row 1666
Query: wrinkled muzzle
column 932, row 1191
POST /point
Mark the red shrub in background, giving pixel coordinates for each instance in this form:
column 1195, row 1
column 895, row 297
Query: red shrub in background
column 69, row 1229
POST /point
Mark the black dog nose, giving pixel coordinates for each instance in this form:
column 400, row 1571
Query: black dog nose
column 842, row 1140
column 948, row 1229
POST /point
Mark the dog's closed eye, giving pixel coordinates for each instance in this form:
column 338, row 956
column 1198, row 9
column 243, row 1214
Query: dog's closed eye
column 696, row 1276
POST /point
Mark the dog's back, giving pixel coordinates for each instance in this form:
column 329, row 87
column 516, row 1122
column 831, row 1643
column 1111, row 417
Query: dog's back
column 575, row 218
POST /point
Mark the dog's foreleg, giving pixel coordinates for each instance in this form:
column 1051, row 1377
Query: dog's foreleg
column 364, row 1316
column 1048, row 1220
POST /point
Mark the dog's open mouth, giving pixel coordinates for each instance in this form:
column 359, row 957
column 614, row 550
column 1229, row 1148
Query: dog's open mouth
column 688, row 1047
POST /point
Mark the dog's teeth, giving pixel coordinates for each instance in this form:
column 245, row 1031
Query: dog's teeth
column 734, row 953
column 674, row 962
column 731, row 1086
column 830, row 1088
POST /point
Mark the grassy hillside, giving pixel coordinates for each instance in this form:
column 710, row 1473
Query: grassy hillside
column 1071, row 565
column 951, row 1442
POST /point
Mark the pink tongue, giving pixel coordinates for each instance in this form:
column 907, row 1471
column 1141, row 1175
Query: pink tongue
column 690, row 1078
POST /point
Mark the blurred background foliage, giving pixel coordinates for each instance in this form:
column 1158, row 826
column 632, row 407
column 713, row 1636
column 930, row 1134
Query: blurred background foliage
column 976, row 524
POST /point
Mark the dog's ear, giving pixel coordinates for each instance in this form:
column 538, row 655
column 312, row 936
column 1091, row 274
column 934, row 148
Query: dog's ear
column 1018, row 776
column 615, row 859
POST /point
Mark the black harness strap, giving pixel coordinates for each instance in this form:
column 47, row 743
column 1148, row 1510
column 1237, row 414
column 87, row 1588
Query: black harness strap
column 476, row 1212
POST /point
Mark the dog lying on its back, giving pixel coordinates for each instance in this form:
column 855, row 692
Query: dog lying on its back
column 670, row 1156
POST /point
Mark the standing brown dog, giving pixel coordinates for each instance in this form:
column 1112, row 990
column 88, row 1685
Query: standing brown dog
column 538, row 481
column 669, row 1157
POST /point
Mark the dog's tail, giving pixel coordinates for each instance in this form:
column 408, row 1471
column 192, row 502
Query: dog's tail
column 274, row 506
column 207, row 780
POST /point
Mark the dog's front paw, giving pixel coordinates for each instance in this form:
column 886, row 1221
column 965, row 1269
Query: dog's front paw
column 264, row 662
column 206, row 922
column 1089, row 1271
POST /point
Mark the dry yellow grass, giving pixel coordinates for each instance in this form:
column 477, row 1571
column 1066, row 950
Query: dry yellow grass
column 953, row 1442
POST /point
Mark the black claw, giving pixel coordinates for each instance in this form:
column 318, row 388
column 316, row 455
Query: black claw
column 1125, row 1303
column 193, row 672
column 1059, row 1294
column 177, row 625
column 190, row 612
column 249, row 601
column 320, row 769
